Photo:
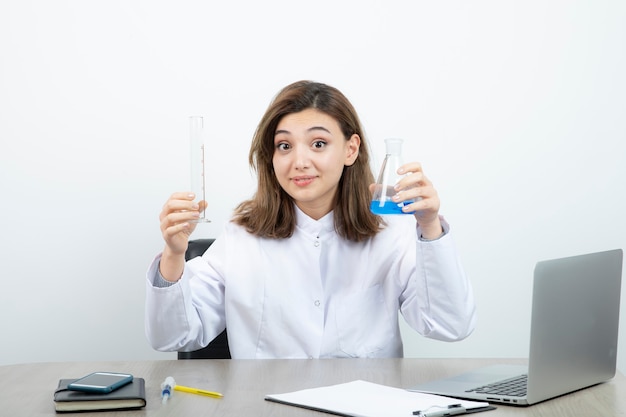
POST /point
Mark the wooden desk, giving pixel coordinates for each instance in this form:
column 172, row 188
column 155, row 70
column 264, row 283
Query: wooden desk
column 27, row 390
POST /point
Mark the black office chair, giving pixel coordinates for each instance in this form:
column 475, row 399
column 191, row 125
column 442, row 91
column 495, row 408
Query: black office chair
column 218, row 348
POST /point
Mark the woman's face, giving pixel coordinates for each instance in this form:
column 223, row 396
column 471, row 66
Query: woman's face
column 310, row 152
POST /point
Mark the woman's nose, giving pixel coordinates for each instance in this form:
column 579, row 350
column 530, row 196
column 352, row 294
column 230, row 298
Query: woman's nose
column 302, row 159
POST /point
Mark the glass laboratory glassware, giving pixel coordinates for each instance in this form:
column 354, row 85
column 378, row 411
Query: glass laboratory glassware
column 197, row 146
column 387, row 179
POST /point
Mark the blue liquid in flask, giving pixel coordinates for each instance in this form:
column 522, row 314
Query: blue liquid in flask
column 388, row 207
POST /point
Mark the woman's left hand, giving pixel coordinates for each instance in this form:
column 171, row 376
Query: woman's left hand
column 416, row 186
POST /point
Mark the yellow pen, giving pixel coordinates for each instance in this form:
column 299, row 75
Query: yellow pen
column 197, row 391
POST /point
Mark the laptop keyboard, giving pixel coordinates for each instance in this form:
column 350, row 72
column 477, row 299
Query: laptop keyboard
column 513, row 387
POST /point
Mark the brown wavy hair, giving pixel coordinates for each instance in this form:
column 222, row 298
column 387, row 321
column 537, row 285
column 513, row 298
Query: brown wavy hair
column 271, row 213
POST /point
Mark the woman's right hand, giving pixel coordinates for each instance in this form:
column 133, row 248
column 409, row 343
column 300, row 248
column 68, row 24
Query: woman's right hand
column 177, row 224
column 177, row 218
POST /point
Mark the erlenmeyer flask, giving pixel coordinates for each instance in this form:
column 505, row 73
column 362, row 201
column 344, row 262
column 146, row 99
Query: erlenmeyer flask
column 387, row 178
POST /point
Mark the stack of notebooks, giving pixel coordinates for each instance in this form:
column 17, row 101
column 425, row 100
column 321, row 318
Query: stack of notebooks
column 128, row 397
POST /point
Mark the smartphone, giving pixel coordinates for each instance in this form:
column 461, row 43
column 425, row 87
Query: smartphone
column 100, row 382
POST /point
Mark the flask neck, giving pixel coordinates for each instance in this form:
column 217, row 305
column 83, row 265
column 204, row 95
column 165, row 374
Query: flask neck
column 393, row 146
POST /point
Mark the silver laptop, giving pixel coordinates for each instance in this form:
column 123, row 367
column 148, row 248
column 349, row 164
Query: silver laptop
column 573, row 336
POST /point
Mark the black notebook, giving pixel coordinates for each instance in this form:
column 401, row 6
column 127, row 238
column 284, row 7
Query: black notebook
column 130, row 396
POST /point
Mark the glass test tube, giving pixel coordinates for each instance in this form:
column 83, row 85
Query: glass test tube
column 198, row 183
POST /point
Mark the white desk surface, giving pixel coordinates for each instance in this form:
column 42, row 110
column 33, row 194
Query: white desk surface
column 27, row 389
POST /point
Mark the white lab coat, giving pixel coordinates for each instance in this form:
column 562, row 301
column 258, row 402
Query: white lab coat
column 314, row 295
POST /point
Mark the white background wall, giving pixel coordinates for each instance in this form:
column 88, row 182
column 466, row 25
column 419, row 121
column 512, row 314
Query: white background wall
column 516, row 110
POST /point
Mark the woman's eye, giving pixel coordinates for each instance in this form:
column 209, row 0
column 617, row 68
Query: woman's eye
column 319, row 144
column 282, row 146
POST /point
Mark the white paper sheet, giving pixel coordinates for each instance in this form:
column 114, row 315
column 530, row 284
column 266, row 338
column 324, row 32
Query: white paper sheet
column 367, row 399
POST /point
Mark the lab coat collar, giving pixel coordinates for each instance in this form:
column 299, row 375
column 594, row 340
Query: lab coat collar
column 317, row 228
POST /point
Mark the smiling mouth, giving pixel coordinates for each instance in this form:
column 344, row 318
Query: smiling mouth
column 302, row 181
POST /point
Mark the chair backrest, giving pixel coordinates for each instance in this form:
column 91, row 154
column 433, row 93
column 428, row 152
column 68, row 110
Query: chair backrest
column 218, row 348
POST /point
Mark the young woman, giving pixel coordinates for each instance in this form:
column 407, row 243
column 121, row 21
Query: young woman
column 304, row 269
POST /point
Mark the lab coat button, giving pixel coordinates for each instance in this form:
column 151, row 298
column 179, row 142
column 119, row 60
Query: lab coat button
column 317, row 243
column 317, row 303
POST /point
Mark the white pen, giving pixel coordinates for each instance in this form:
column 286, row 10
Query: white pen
column 166, row 389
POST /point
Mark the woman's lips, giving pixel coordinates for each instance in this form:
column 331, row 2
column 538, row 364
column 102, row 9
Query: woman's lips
column 302, row 181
